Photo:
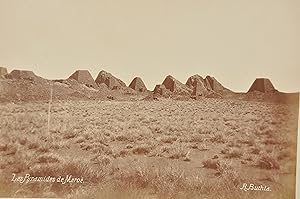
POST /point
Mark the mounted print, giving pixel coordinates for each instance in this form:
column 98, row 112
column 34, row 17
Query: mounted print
column 149, row 99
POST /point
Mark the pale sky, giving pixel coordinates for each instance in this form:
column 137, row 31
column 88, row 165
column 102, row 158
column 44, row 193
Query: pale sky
column 232, row 40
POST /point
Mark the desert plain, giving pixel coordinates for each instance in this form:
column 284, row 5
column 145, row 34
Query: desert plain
column 149, row 149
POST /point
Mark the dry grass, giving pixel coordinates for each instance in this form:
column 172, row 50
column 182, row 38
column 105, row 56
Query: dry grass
column 165, row 149
column 268, row 161
column 211, row 164
column 234, row 153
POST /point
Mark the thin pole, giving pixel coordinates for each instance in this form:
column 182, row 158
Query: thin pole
column 49, row 107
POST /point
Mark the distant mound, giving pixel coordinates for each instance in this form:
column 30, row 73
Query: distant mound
column 111, row 81
column 138, row 85
column 3, row 72
column 22, row 85
column 22, row 74
column 263, row 85
column 84, row 77
column 176, row 86
column 25, row 76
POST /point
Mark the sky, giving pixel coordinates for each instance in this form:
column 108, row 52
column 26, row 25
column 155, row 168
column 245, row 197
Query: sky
column 235, row 41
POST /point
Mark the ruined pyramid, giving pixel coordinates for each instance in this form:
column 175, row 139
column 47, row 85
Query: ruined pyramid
column 199, row 90
column 212, row 84
column 175, row 86
column 160, row 89
column 111, row 81
column 198, row 85
column 191, row 81
column 84, row 77
column 138, row 84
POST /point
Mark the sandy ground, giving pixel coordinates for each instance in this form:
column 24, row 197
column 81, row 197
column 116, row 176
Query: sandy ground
column 150, row 149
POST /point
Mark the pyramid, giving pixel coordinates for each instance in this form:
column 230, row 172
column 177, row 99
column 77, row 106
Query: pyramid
column 263, row 85
column 84, row 77
column 111, row 81
column 198, row 85
column 193, row 80
column 3, row 72
column 175, row 86
column 160, row 89
column 212, row 84
column 138, row 84
column 199, row 89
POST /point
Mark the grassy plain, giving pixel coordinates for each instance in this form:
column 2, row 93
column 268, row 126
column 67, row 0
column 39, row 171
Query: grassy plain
column 149, row 149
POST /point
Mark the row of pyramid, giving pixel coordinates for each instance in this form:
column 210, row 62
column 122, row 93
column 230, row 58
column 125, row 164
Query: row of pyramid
column 84, row 77
column 195, row 85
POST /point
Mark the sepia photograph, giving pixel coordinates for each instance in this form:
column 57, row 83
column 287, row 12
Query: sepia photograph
column 155, row 99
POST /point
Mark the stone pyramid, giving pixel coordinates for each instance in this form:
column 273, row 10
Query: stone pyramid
column 160, row 89
column 176, row 86
column 138, row 84
column 263, row 85
column 84, row 77
column 212, row 84
column 199, row 89
column 198, row 85
column 111, row 81
column 192, row 81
